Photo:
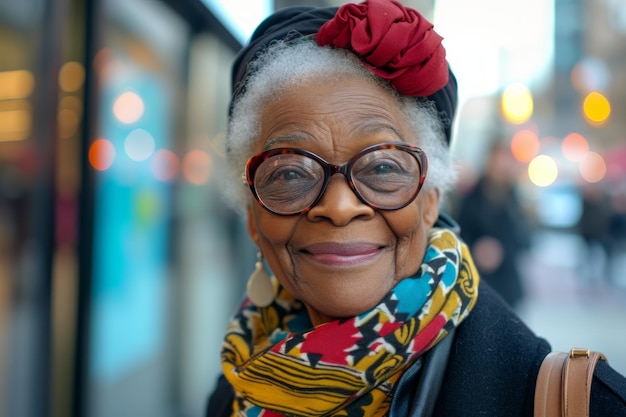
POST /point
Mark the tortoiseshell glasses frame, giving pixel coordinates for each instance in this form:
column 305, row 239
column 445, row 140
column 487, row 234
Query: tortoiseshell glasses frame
column 292, row 181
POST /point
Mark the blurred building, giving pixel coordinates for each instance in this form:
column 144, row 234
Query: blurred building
column 580, row 118
column 590, row 51
column 566, row 123
column 117, row 268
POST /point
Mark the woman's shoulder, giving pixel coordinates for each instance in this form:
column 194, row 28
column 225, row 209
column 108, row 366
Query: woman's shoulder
column 608, row 392
column 495, row 360
column 493, row 324
column 493, row 363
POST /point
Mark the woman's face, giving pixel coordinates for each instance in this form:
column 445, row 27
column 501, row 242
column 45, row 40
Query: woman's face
column 341, row 257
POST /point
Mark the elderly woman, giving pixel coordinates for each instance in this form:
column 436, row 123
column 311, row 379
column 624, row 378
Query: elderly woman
column 364, row 302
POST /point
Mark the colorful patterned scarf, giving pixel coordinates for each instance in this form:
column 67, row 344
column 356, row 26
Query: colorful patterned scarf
column 280, row 365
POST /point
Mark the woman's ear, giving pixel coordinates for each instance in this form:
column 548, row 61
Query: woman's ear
column 430, row 206
column 252, row 228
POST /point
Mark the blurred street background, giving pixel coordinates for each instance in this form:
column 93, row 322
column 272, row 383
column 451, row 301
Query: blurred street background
column 572, row 306
column 120, row 262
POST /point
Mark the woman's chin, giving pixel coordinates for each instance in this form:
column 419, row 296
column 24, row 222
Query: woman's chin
column 333, row 309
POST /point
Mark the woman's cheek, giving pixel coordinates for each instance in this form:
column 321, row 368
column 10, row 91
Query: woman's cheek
column 412, row 235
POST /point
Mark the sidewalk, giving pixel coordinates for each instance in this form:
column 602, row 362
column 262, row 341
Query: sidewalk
column 571, row 303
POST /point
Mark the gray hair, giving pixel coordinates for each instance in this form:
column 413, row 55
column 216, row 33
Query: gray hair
column 282, row 65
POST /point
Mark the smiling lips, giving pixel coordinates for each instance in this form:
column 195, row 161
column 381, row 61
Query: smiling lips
column 342, row 254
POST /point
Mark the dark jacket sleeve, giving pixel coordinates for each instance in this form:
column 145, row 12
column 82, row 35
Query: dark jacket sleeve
column 493, row 364
column 493, row 367
column 608, row 392
column 221, row 400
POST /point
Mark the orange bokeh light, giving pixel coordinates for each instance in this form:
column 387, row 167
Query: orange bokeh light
column 596, row 108
column 197, row 167
column 101, row 154
column 525, row 145
column 575, row 147
column 593, row 168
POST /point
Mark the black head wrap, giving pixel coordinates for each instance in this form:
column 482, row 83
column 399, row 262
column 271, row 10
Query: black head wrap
column 294, row 22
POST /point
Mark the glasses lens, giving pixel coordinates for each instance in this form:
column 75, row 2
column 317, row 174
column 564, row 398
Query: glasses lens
column 387, row 178
column 288, row 183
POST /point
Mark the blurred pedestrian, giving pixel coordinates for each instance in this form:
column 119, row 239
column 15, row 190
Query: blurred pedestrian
column 494, row 225
column 594, row 227
column 617, row 233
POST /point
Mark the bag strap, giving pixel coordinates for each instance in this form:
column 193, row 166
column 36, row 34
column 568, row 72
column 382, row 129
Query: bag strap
column 564, row 383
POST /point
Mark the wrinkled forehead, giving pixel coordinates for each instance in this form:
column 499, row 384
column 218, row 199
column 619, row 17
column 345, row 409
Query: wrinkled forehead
column 344, row 114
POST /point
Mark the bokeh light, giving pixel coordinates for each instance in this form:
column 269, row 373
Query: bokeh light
column 197, row 167
column 15, row 125
column 71, row 103
column 148, row 207
column 69, row 117
column 542, row 170
column 517, row 103
column 574, row 147
column 16, row 84
column 104, row 63
column 164, row 165
column 590, row 74
column 592, row 168
column 596, row 108
column 139, row 145
column 71, row 76
column 68, row 121
column 525, row 145
column 128, row 107
column 101, row 154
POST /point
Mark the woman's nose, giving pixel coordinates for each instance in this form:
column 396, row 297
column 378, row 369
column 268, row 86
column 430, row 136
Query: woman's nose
column 340, row 204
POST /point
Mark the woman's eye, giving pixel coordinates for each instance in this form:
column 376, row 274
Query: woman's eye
column 287, row 174
column 385, row 168
column 381, row 168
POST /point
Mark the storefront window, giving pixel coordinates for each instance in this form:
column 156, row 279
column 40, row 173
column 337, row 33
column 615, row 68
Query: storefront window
column 114, row 293
column 140, row 72
column 164, row 273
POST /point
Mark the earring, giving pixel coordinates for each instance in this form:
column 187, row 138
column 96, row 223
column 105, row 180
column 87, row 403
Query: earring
column 260, row 287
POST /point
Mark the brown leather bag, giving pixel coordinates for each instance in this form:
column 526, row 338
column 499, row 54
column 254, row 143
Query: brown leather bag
column 564, row 383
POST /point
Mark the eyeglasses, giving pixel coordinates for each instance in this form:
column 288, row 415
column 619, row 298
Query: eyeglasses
column 289, row 181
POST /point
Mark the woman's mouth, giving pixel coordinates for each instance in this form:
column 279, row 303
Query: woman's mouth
column 342, row 254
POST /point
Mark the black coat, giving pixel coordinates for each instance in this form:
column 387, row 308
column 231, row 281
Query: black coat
column 491, row 371
column 503, row 219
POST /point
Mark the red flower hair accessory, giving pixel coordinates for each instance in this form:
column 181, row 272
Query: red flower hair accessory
column 397, row 43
